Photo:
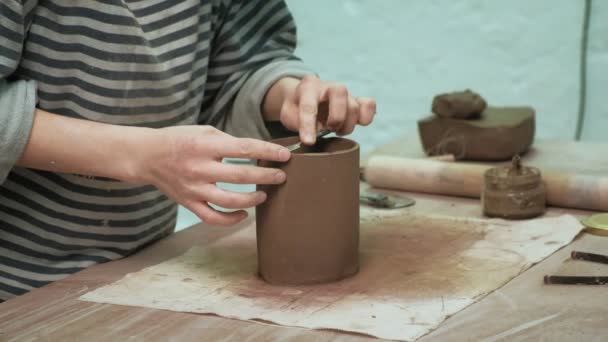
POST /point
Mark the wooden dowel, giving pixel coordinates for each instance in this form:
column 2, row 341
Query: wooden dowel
column 466, row 179
column 576, row 280
column 603, row 259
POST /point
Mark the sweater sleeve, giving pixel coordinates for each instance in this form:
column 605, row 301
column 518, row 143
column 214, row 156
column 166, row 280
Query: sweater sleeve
column 17, row 97
column 253, row 47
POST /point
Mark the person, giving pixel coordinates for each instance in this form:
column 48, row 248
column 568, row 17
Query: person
column 112, row 112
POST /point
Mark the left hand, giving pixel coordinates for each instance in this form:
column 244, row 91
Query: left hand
column 311, row 104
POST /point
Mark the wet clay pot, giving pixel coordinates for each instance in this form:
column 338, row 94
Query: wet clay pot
column 308, row 228
column 513, row 192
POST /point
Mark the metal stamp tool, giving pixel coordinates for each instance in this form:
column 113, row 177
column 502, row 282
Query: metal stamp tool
column 297, row 145
column 380, row 200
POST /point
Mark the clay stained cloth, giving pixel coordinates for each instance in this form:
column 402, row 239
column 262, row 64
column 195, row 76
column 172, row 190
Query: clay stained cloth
column 415, row 272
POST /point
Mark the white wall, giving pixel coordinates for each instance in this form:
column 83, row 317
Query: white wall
column 403, row 52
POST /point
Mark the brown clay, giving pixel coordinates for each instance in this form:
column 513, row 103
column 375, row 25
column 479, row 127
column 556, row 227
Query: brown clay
column 459, row 105
column 513, row 192
column 499, row 134
column 308, row 228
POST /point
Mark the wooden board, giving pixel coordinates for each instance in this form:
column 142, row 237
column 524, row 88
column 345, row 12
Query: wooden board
column 524, row 309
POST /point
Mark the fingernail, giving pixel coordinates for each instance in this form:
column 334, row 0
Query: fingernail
column 284, row 154
column 309, row 139
column 261, row 196
column 280, row 176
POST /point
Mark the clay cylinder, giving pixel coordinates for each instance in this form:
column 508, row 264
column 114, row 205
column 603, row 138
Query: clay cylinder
column 308, row 227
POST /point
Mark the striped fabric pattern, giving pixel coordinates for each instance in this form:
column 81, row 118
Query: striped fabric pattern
column 152, row 63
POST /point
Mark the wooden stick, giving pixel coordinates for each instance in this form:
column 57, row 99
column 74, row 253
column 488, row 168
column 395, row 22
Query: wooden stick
column 444, row 158
column 602, row 259
column 575, row 280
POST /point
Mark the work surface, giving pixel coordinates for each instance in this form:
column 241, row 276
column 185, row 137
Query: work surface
column 524, row 309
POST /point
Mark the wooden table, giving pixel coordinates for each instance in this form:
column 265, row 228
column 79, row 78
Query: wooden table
column 524, row 309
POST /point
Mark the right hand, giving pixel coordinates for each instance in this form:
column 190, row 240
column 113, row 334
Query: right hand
column 187, row 165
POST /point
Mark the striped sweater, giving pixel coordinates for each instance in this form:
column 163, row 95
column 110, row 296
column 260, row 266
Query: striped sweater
column 152, row 63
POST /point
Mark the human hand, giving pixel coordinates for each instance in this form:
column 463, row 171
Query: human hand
column 185, row 162
column 307, row 105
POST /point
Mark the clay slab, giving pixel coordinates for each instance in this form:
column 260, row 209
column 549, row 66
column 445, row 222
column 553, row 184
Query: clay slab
column 499, row 134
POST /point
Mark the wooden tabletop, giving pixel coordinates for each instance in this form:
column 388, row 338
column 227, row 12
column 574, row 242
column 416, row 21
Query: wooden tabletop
column 523, row 309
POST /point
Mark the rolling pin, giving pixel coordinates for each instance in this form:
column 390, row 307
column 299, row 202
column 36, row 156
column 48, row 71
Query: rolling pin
column 466, row 180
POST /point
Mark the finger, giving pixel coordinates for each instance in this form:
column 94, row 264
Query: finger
column 214, row 217
column 289, row 115
column 338, row 106
column 351, row 119
column 252, row 149
column 367, row 110
column 308, row 102
column 231, row 199
column 245, row 174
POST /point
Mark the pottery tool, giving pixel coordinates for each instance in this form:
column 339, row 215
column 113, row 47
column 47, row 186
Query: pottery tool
column 580, row 280
column 297, row 145
column 380, row 200
column 464, row 179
